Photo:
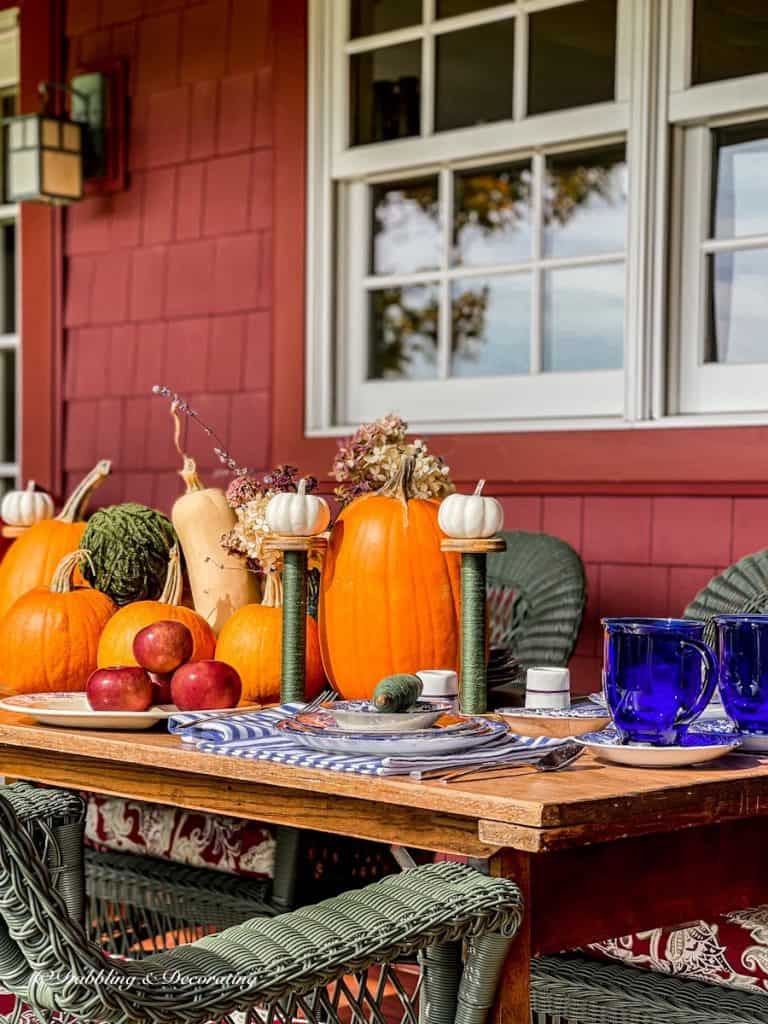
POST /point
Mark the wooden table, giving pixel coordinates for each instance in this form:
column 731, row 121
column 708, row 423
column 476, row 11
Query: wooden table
column 598, row 851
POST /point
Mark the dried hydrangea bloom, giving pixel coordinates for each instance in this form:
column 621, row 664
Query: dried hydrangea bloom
column 370, row 457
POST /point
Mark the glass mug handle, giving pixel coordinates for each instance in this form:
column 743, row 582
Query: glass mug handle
column 709, row 658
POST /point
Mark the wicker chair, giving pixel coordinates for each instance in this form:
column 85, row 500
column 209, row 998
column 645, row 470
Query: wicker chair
column 537, row 592
column 330, row 962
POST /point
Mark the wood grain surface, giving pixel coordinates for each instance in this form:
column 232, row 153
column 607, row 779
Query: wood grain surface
column 532, row 811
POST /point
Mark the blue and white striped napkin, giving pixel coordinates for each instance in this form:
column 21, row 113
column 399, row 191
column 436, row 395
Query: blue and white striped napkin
column 253, row 737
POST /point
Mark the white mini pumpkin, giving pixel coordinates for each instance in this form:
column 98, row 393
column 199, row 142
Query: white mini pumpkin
column 297, row 514
column 25, row 508
column 470, row 516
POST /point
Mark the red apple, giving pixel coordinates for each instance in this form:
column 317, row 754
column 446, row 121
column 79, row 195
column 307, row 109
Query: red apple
column 205, row 686
column 163, row 646
column 161, row 687
column 122, row 688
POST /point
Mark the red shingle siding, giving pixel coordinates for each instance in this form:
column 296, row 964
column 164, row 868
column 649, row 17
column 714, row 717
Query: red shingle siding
column 170, row 281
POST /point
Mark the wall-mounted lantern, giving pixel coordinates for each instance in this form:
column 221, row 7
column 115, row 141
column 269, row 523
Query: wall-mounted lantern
column 52, row 157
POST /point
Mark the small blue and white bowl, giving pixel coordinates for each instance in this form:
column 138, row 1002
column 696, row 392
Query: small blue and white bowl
column 361, row 716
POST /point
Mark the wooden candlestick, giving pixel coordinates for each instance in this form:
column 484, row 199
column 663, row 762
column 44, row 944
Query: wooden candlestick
column 295, row 551
column 473, row 696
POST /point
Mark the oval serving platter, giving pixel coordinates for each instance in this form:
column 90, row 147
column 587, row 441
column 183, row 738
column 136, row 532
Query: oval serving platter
column 72, row 711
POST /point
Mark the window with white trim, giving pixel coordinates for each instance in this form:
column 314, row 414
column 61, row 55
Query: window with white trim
column 9, row 332
column 719, row 108
column 536, row 213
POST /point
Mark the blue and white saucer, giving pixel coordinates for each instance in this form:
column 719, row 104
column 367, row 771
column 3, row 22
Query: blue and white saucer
column 703, row 744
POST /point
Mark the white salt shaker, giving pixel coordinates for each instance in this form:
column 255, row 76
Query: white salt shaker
column 547, row 687
column 440, row 684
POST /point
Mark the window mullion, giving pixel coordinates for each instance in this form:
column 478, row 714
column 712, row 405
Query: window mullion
column 520, row 86
column 428, row 71
column 445, row 326
column 537, row 252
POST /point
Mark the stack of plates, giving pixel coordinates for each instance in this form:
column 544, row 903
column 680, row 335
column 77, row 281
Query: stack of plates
column 450, row 734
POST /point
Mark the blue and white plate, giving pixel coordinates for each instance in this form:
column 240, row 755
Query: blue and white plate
column 696, row 748
column 362, row 716
column 459, row 736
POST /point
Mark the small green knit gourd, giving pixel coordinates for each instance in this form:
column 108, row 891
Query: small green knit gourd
column 129, row 546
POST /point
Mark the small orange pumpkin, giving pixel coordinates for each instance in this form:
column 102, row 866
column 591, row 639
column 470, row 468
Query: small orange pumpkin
column 389, row 597
column 252, row 643
column 33, row 558
column 116, row 644
column 48, row 639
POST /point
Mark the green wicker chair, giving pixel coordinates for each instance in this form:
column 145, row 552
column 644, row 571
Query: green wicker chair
column 329, row 962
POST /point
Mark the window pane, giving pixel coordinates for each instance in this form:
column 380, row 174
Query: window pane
column 584, row 318
column 367, row 17
column 491, row 325
column 492, row 215
column 450, row 8
column 572, row 56
column 585, row 203
column 406, row 227
column 386, row 91
column 403, row 344
column 8, row 407
column 738, row 315
column 474, row 75
column 8, row 279
column 730, row 39
column 740, row 205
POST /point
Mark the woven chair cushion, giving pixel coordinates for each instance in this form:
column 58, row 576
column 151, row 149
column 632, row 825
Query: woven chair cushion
column 732, row 950
column 185, row 837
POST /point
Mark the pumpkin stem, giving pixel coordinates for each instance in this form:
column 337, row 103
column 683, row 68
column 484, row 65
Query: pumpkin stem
column 273, row 591
column 480, row 486
column 174, row 584
column 301, row 490
column 77, row 502
column 62, row 576
column 30, row 486
column 399, row 484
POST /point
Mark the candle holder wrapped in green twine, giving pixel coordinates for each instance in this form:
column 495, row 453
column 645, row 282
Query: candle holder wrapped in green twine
column 129, row 547
column 295, row 551
column 473, row 697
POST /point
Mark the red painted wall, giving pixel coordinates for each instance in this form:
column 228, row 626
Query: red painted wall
column 170, row 281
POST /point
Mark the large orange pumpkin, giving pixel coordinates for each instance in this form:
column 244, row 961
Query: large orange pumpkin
column 33, row 558
column 116, row 644
column 389, row 598
column 48, row 639
column 252, row 642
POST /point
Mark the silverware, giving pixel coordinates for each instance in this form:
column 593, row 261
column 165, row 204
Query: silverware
column 326, row 697
column 557, row 759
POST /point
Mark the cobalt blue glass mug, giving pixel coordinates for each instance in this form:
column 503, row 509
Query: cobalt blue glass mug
column 658, row 676
column 742, row 642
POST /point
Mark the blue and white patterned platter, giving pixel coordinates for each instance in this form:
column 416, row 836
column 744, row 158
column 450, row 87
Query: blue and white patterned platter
column 464, row 735
column 362, row 716
column 586, row 709
column 696, row 748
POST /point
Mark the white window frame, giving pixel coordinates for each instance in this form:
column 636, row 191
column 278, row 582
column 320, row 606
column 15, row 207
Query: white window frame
column 649, row 90
column 697, row 388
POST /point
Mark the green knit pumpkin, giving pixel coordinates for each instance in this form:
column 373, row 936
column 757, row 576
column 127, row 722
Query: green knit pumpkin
column 129, row 547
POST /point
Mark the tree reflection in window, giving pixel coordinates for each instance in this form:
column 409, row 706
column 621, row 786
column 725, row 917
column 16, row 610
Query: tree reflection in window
column 583, row 211
column 404, row 333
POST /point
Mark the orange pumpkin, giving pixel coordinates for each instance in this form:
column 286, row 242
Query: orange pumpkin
column 48, row 639
column 116, row 644
column 252, row 643
column 33, row 558
column 389, row 598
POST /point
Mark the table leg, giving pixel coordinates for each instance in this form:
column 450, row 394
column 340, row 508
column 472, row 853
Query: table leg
column 513, row 999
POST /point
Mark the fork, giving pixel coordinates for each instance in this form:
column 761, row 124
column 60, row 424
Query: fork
column 326, row 697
